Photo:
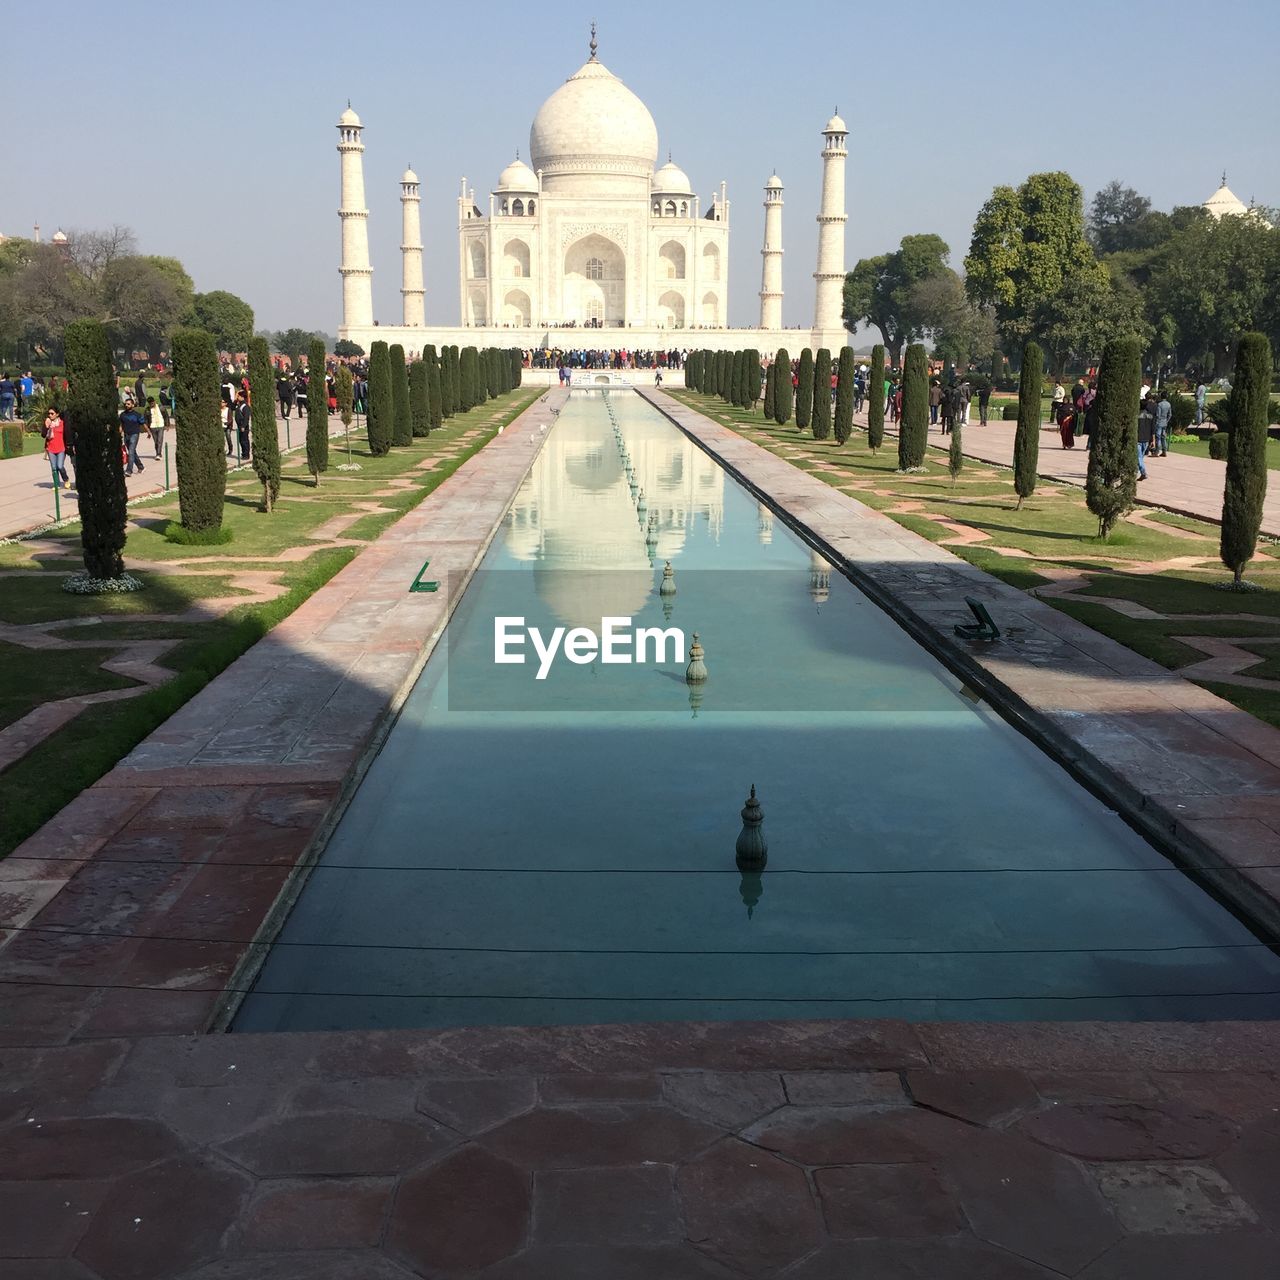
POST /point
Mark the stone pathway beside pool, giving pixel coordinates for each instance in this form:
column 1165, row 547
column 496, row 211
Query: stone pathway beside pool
column 132, row 1149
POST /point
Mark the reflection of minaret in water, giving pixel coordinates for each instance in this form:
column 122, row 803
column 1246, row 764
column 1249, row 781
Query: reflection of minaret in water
column 751, row 890
column 766, row 524
column 819, row 579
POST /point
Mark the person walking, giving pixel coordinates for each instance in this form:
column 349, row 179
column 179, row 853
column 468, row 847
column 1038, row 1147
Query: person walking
column 8, row 394
column 132, row 422
column 156, row 424
column 284, row 393
column 1059, row 399
column 55, row 446
column 984, row 402
column 243, row 416
column 1144, row 436
column 935, row 401
column 1163, row 420
column 948, row 410
column 139, row 391
column 966, row 396
column 1202, row 394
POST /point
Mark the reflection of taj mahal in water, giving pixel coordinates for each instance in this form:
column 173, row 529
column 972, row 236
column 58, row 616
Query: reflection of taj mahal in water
column 592, row 233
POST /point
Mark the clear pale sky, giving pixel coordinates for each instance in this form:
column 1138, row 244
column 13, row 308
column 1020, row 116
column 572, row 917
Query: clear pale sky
column 210, row 128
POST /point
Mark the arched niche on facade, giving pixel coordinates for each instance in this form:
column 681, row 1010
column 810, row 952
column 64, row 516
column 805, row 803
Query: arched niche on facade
column 710, row 309
column 711, row 262
column 671, row 310
column 516, row 309
column 478, row 307
column 477, row 260
column 595, row 272
column 671, row 260
column 515, row 258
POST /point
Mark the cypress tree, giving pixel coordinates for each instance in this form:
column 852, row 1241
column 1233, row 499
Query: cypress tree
column 317, row 412
column 381, row 408
column 821, row 424
column 266, row 440
column 844, row 396
column 448, row 383
column 724, row 367
column 750, row 378
column 692, row 367
column 782, row 388
column 1026, row 439
column 495, row 386
column 733, row 385
column 402, row 414
column 201, row 447
column 804, row 390
column 955, row 454
column 419, row 410
column 92, row 410
column 517, row 368
column 473, row 388
column 770, row 383
column 913, row 429
column 435, row 407
column 345, row 391
column 1246, row 486
column 711, row 383
column 875, row 399
column 1112, row 480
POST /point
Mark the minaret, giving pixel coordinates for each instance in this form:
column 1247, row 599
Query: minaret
column 357, row 275
column 771, row 273
column 411, row 289
column 829, row 295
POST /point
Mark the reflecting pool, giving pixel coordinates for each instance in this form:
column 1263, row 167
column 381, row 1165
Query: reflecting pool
column 531, row 851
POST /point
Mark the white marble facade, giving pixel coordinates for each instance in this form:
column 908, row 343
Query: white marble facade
column 590, row 241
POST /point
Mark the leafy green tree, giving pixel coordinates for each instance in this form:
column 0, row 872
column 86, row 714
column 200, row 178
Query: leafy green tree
column 880, row 290
column 345, row 348
column 1111, row 483
column 265, row 450
column 804, row 390
column 435, row 407
column 381, row 411
column 1084, row 315
column 875, row 399
column 782, row 388
column 142, row 298
column 419, row 398
column 93, row 412
column 1115, row 215
column 844, row 395
column 1217, row 279
column 1026, row 439
column 317, row 412
column 822, row 395
column 227, row 318
column 1027, row 243
column 913, row 426
column 960, row 331
column 402, row 416
column 1246, row 487
column 294, row 343
column 201, row 447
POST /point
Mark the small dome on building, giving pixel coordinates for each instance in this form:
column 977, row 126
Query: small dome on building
column 835, row 125
column 671, row 180
column 517, row 176
column 1224, row 201
column 408, row 176
column 59, row 237
column 349, row 117
column 774, row 183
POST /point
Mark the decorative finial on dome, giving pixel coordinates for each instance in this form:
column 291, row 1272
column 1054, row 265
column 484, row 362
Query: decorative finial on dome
column 348, row 104
column 1224, row 177
column 668, row 157
column 593, row 46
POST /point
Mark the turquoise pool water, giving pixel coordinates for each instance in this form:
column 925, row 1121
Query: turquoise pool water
column 556, row 851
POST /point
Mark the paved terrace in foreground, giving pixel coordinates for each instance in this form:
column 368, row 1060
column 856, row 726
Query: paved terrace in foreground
column 131, row 1149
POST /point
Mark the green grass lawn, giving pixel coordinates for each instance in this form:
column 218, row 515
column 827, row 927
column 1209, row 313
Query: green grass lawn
column 216, row 630
column 1200, row 449
column 1054, row 532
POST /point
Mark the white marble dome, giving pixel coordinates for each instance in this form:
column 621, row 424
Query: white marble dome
column 349, row 118
column 671, row 180
column 593, row 133
column 517, row 176
column 836, row 125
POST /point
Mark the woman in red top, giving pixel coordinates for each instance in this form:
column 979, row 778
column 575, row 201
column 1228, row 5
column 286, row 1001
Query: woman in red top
column 55, row 446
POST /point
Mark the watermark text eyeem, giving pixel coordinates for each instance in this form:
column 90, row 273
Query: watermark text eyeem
column 618, row 642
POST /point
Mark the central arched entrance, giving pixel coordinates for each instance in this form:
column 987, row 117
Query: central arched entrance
column 595, row 282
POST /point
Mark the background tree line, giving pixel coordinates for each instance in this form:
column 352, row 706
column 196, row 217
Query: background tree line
column 141, row 299
column 1041, row 268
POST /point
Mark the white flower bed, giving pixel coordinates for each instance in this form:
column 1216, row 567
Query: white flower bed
column 81, row 584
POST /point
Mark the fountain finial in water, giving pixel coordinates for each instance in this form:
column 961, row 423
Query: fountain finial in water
column 696, row 671
column 751, row 851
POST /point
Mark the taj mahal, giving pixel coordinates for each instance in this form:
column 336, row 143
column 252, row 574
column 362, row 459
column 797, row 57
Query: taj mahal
column 592, row 235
